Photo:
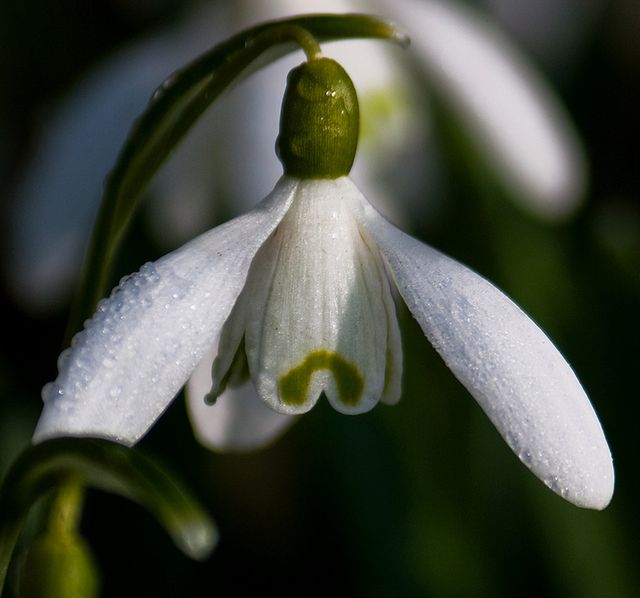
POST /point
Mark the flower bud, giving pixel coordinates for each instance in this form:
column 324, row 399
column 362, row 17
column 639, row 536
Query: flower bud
column 319, row 121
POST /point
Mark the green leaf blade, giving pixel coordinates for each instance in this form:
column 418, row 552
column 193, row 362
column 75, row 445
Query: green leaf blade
column 109, row 467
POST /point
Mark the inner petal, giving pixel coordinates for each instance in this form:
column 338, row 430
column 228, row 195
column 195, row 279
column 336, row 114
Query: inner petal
column 317, row 320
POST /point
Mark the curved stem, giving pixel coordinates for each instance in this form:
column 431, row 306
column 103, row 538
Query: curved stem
column 295, row 33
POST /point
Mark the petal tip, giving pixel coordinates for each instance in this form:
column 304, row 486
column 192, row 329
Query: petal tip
column 589, row 489
column 599, row 495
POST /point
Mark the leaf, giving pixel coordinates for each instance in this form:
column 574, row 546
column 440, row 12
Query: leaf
column 110, row 467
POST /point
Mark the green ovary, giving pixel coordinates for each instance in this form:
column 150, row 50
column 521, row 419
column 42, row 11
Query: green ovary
column 293, row 386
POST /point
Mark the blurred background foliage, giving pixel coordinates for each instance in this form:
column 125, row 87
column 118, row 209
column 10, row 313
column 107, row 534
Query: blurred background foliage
column 422, row 499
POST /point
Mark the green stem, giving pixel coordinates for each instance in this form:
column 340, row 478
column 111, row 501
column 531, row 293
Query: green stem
column 66, row 509
column 284, row 33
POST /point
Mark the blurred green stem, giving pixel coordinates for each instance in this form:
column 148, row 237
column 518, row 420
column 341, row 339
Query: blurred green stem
column 67, row 507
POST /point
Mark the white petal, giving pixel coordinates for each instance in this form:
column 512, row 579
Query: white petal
column 314, row 310
column 239, row 420
column 506, row 362
column 503, row 101
column 145, row 340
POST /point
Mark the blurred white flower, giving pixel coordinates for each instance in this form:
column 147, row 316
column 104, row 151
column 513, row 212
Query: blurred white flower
column 495, row 93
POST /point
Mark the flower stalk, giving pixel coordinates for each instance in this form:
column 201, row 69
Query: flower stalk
column 66, row 510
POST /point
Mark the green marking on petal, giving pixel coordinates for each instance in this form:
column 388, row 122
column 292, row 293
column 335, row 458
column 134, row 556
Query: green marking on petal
column 293, row 386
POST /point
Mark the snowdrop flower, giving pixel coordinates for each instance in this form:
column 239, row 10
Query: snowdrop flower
column 490, row 87
column 296, row 300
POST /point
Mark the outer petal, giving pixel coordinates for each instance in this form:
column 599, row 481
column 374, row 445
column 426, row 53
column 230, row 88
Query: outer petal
column 239, row 420
column 506, row 362
column 145, row 340
column 503, row 101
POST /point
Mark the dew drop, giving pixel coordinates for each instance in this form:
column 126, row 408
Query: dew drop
column 47, row 391
column 63, row 358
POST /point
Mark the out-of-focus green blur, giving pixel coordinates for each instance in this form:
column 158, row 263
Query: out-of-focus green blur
column 419, row 499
